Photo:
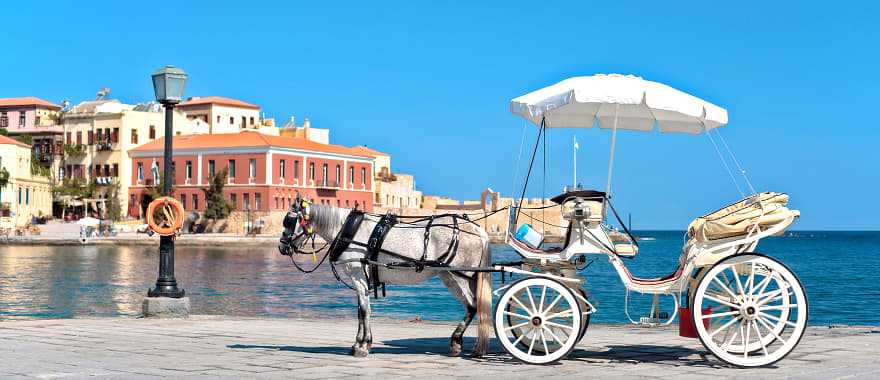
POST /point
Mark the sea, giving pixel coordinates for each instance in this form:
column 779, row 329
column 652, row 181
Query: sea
column 838, row 269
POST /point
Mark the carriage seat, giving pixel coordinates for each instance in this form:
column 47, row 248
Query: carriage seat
column 764, row 209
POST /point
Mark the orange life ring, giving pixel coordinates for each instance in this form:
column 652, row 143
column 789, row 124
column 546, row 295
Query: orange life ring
column 173, row 212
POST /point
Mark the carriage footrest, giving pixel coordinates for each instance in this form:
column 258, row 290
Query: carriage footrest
column 654, row 320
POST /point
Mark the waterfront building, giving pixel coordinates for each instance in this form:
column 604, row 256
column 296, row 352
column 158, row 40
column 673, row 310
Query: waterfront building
column 306, row 131
column 97, row 137
column 265, row 171
column 38, row 119
column 23, row 194
column 392, row 190
column 222, row 115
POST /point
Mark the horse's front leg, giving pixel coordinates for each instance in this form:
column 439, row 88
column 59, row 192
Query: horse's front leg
column 364, row 339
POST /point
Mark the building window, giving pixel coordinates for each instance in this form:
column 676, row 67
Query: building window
column 233, row 199
column 152, row 132
column 312, row 171
column 115, row 172
column 91, row 137
column 252, row 168
column 140, row 172
column 210, row 168
column 21, row 120
column 244, row 122
column 134, row 136
column 231, row 168
column 296, row 169
column 363, row 176
column 106, row 169
column 231, row 120
column 277, row 203
column 246, row 198
column 338, row 175
column 115, row 136
column 183, row 200
column 324, row 174
column 97, row 170
column 189, row 170
column 258, row 201
column 4, row 121
column 19, row 195
column 195, row 202
column 37, row 120
column 218, row 119
column 27, row 196
column 79, row 138
column 351, row 174
column 281, row 168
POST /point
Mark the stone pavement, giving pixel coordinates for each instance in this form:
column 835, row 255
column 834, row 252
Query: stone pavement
column 211, row 347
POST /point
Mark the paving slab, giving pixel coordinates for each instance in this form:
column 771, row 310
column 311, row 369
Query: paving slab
column 234, row 347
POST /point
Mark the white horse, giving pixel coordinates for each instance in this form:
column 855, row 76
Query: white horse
column 405, row 242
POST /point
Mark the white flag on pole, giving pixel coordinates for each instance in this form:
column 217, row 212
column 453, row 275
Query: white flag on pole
column 576, row 146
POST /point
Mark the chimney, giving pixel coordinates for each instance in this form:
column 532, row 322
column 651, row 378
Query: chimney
column 306, row 126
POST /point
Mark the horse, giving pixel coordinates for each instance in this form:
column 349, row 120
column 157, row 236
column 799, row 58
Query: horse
column 459, row 243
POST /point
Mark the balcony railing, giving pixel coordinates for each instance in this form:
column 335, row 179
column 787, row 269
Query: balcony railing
column 328, row 185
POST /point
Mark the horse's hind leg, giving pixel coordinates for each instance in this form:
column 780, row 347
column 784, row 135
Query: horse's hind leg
column 461, row 290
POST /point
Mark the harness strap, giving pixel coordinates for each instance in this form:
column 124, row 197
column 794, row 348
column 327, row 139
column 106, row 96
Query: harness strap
column 374, row 246
column 346, row 234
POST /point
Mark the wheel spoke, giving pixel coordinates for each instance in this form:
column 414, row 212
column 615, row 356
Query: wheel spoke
column 780, row 307
column 541, row 304
column 760, row 338
column 506, row 329
column 730, row 341
column 531, row 299
column 766, row 325
column 763, row 284
column 724, row 326
column 724, row 287
column 516, row 315
column 553, row 335
column 558, row 325
column 746, row 340
column 520, row 338
column 771, row 297
column 521, row 305
column 718, row 315
column 739, row 284
column 555, row 300
column 544, row 342
column 777, row 319
column 532, row 344
column 750, row 284
column 725, row 303
column 563, row 314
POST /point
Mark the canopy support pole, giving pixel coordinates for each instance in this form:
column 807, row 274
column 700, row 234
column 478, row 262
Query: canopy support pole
column 611, row 158
column 528, row 174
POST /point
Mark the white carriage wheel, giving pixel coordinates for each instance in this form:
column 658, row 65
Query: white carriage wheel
column 757, row 310
column 539, row 312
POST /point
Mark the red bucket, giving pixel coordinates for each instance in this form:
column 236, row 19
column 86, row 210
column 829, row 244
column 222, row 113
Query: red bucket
column 686, row 326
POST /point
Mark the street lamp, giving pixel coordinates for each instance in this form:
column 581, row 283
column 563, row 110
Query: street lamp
column 168, row 84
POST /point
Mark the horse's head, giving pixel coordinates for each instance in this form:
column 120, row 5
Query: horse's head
column 297, row 227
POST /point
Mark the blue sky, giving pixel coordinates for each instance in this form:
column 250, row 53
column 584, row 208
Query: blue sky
column 430, row 82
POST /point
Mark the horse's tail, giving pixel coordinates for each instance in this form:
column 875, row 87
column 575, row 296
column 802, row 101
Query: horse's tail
column 484, row 303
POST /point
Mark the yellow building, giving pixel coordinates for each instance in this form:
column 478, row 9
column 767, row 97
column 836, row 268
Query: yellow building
column 391, row 190
column 98, row 135
column 24, row 194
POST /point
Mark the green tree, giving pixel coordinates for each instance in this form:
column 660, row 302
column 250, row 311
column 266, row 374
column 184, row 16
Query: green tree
column 114, row 208
column 216, row 205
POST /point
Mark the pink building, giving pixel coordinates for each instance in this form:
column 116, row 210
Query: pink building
column 35, row 117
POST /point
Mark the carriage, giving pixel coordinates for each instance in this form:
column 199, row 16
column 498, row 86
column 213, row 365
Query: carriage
column 747, row 308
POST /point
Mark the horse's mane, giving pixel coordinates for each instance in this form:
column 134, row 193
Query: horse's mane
column 327, row 220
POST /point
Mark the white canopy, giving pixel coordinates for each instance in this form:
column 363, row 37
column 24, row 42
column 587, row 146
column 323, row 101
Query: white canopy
column 88, row 221
column 627, row 100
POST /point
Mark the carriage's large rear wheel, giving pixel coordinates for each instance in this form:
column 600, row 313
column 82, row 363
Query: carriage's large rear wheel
column 758, row 310
column 538, row 320
column 585, row 323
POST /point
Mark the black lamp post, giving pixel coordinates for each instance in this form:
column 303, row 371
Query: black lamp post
column 168, row 83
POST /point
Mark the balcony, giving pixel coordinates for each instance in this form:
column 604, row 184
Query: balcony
column 104, row 146
column 252, row 180
column 187, row 181
column 230, row 180
column 327, row 185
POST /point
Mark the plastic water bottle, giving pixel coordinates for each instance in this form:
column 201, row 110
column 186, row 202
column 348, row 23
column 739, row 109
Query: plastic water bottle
column 526, row 234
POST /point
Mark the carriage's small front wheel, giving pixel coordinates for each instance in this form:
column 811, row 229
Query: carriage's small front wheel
column 538, row 320
column 757, row 310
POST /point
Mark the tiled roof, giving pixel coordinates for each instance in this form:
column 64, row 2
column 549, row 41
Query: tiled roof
column 371, row 152
column 27, row 101
column 247, row 139
column 6, row 140
column 219, row 100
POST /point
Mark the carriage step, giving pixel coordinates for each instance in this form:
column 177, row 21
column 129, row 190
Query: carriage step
column 654, row 320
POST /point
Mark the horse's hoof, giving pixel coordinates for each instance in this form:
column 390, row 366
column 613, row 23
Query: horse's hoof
column 455, row 350
column 359, row 352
